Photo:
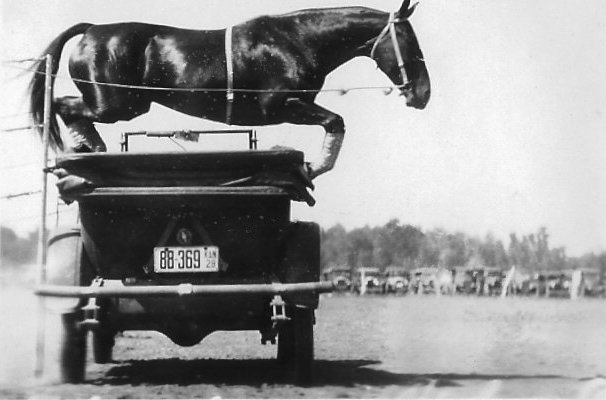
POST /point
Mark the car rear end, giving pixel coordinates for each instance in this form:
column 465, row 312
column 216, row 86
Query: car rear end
column 188, row 253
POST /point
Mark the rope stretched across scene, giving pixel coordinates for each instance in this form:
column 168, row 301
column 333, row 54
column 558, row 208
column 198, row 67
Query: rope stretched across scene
column 9, row 116
column 387, row 89
column 20, row 128
column 16, row 195
column 32, row 216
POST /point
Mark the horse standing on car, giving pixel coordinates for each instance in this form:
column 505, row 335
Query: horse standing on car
column 265, row 71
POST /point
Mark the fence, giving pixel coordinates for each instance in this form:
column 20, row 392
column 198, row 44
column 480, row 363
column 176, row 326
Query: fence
column 43, row 192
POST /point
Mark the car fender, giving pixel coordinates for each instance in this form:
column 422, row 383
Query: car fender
column 63, row 266
column 300, row 261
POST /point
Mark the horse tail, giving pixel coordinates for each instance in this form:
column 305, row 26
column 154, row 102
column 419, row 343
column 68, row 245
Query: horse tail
column 37, row 85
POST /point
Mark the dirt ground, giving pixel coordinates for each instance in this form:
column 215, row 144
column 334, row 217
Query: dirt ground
column 366, row 347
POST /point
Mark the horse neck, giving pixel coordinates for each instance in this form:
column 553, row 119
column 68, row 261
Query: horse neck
column 343, row 34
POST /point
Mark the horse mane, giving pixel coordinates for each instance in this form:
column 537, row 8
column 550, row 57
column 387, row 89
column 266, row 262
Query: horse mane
column 331, row 11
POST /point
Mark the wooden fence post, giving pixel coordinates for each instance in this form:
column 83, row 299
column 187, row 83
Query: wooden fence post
column 40, row 334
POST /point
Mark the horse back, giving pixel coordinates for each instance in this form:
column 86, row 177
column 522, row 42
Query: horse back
column 145, row 54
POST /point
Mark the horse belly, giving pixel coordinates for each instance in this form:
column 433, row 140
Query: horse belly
column 247, row 111
column 213, row 106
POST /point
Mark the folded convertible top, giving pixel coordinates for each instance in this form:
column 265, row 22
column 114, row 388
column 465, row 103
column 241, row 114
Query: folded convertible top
column 81, row 174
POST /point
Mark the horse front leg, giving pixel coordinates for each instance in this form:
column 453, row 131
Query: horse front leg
column 81, row 135
column 304, row 113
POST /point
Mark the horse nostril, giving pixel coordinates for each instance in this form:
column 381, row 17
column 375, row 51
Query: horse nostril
column 426, row 94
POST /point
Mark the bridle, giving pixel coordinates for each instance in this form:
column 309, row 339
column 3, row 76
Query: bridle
column 391, row 28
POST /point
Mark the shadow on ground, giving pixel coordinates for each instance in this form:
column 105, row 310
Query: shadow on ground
column 344, row 373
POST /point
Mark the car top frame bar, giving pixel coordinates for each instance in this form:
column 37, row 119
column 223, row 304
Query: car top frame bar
column 191, row 135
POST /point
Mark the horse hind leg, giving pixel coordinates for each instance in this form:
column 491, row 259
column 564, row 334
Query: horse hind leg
column 81, row 135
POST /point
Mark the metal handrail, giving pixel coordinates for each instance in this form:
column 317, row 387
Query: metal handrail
column 190, row 134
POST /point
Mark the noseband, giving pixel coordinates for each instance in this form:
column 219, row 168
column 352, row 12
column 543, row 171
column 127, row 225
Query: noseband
column 391, row 28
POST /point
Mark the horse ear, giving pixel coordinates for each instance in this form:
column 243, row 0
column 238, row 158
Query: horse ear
column 403, row 8
column 406, row 11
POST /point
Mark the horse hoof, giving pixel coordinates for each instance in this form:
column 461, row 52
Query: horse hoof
column 85, row 148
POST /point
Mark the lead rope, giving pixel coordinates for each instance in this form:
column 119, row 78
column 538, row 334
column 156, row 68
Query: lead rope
column 229, row 94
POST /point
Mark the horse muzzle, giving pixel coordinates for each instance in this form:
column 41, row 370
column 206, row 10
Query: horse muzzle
column 416, row 97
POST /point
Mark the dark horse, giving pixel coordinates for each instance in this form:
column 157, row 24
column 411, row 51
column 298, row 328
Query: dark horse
column 275, row 65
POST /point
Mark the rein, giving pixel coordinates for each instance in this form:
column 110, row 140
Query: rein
column 391, row 28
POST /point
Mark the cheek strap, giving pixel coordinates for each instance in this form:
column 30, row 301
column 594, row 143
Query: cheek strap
column 391, row 29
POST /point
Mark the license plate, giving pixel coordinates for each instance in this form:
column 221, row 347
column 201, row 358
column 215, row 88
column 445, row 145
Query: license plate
column 186, row 259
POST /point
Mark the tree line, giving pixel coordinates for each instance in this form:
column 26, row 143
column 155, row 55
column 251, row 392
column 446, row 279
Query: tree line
column 397, row 244
column 16, row 250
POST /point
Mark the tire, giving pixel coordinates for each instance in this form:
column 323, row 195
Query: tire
column 72, row 358
column 296, row 345
column 103, row 345
column 103, row 336
column 64, row 341
column 286, row 343
column 304, row 345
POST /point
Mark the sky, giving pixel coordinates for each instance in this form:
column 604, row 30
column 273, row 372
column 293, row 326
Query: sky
column 513, row 138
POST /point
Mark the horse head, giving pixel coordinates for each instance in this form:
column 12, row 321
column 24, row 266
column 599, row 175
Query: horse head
column 397, row 53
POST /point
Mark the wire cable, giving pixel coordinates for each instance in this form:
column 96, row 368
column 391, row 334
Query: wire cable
column 21, row 128
column 15, row 115
column 15, row 195
column 20, row 165
column 23, row 60
column 32, row 216
column 24, row 166
column 178, row 144
column 386, row 89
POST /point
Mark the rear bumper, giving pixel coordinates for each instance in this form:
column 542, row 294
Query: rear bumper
column 117, row 289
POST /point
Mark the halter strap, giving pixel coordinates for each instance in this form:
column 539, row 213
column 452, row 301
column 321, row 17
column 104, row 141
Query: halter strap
column 391, row 28
column 229, row 65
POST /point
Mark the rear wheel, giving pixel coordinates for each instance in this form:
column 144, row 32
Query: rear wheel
column 72, row 357
column 296, row 344
column 65, row 341
column 103, row 344
column 286, row 343
column 103, row 336
column 304, row 344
